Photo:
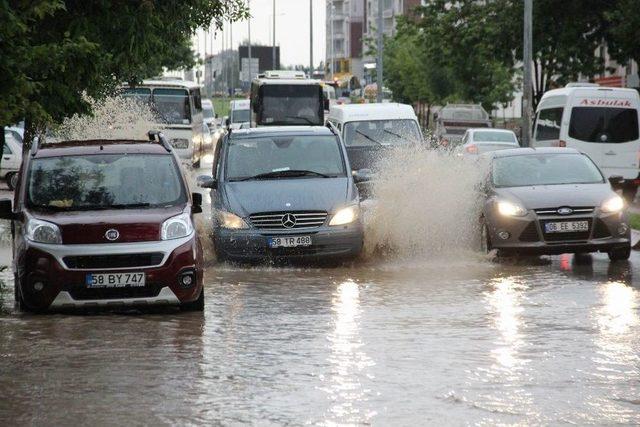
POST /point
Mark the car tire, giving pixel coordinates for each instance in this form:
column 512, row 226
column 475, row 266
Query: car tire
column 12, row 180
column 197, row 305
column 20, row 305
column 620, row 254
column 629, row 193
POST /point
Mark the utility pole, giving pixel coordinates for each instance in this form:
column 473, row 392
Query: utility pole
column 273, row 53
column 333, row 43
column 527, row 96
column 250, row 72
column 380, row 47
column 233, row 68
column 310, row 38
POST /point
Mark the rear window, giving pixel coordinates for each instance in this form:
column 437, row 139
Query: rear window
column 548, row 124
column 494, row 137
column 105, row 181
column 603, row 124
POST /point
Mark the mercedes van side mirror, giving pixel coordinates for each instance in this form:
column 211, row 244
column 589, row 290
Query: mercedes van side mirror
column 196, row 207
column 227, row 122
column 6, row 210
column 361, row 175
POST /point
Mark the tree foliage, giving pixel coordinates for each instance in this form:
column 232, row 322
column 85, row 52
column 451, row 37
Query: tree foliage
column 54, row 52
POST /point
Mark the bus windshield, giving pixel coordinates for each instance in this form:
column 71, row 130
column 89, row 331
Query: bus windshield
column 292, row 105
column 172, row 106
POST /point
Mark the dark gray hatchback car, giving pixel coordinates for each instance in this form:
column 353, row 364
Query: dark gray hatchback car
column 552, row 201
column 284, row 193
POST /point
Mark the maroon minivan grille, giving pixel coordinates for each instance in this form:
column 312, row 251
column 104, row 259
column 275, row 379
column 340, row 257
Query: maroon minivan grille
column 84, row 262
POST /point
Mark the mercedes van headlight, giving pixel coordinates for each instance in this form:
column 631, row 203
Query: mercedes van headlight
column 177, row 227
column 345, row 215
column 43, row 232
column 231, row 221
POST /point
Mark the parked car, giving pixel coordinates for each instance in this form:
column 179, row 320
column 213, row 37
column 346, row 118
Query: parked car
column 11, row 158
column 105, row 223
column 599, row 121
column 284, row 193
column 482, row 140
column 552, row 201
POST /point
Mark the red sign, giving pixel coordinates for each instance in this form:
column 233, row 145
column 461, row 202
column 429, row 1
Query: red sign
column 611, row 81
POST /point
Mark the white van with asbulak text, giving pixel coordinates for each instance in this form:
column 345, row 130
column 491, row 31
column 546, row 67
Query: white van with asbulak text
column 602, row 122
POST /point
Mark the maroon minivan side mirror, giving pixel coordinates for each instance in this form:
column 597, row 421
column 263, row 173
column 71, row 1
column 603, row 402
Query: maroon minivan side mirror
column 6, row 211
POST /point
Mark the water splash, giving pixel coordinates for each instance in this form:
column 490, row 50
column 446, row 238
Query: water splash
column 114, row 117
column 427, row 203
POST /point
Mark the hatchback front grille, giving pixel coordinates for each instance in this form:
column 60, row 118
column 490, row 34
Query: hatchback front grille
column 84, row 262
column 574, row 211
column 288, row 220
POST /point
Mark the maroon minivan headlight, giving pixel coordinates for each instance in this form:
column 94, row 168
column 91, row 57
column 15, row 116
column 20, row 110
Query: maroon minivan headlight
column 177, row 227
column 42, row 232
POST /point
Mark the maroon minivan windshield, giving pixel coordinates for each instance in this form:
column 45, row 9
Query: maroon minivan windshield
column 105, row 181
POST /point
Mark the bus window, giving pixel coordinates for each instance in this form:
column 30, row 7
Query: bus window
column 292, row 105
column 141, row 94
column 172, row 105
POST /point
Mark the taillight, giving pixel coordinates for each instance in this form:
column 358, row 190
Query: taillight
column 562, row 143
column 472, row 149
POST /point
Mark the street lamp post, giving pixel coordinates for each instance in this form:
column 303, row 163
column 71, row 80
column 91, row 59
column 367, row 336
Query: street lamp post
column 527, row 96
column 379, row 56
column 333, row 41
column 273, row 53
column 310, row 38
column 249, row 74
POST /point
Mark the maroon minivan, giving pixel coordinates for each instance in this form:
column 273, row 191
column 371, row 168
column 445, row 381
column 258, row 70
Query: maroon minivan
column 104, row 223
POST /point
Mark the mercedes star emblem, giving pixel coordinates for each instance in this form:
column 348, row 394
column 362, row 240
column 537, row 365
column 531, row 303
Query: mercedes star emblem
column 289, row 221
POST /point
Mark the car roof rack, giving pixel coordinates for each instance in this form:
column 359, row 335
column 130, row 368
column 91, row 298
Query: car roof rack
column 158, row 136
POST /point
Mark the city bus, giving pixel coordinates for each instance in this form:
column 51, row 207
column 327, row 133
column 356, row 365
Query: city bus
column 286, row 98
column 177, row 105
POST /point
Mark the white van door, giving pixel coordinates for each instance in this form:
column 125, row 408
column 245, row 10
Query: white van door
column 603, row 123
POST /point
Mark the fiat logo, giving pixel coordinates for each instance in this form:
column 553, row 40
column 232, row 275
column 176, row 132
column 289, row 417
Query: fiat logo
column 289, row 221
column 112, row 235
column 565, row 211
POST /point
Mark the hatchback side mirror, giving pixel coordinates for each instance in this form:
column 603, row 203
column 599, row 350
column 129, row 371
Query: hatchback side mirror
column 616, row 181
column 227, row 122
column 197, row 203
column 206, row 181
column 361, row 175
column 6, row 210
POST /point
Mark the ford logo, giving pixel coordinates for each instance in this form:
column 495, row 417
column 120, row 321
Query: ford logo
column 112, row 235
column 564, row 211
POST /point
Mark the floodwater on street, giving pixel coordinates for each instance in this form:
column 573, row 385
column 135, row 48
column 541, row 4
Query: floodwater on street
column 402, row 343
column 452, row 339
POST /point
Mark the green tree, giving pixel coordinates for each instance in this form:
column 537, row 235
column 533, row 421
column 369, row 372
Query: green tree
column 623, row 35
column 55, row 51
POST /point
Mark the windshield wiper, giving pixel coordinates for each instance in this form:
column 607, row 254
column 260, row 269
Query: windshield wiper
column 399, row 136
column 283, row 174
column 359, row 132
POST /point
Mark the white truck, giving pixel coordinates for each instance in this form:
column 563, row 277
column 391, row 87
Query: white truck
column 453, row 120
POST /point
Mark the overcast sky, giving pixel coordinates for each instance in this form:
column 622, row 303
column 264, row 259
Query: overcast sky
column 292, row 30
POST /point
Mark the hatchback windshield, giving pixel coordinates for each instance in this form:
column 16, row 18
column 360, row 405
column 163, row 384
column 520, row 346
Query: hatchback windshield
column 604, row 125
column 488, row 136
column 105, row 181
column 544, row 169
column 288, row 156
column 292, row 105
column 207, row 111
column 381, row 132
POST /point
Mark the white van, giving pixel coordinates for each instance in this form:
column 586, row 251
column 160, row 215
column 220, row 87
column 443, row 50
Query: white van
column 240, row 116
column 602, row 122
column 368, row 128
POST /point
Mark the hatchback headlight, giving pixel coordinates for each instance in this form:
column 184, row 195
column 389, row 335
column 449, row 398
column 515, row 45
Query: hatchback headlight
column 177, row 227
column 43, row 232
column 614, row 204
column 345, row 215
column 507, row 208
column 231, row 221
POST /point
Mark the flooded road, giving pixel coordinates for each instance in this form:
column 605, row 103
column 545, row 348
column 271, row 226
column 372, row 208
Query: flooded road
column 388, row 342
